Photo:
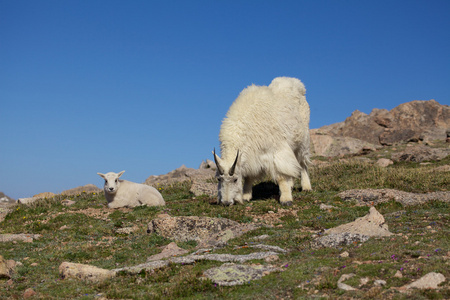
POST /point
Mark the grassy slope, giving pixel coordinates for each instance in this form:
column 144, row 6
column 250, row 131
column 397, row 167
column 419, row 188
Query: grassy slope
column 90, row 237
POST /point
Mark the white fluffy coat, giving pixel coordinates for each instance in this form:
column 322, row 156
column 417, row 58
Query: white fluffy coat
column 269, row 125
column 123, row 193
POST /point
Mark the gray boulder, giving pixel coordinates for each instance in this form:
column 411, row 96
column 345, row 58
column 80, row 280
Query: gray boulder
column 230, row 274
column 376, row 196
column 206, row 231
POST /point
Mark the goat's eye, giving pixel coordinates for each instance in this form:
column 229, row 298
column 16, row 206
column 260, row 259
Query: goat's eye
column 235, row 180
column 117, row 180
column 106, row 182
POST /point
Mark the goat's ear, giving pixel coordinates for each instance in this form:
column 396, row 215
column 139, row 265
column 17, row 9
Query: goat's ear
column 218, row 161
column 101, row 175
column 120, row 174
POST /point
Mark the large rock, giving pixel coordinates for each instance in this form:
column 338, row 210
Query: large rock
column 428, row 281
column 192, row 258
column 23, row 237
column 230, row 274
column 420, row 153
column 206, row 231
column 360, row 230
column 201, row 179
column 84, row 272
column 5, row 199
column 372, row 224
column 44, row 195
column 6, row 268
column 376, row 196
column 411, row 121
column 88, row 188
column 359, row 126
column 323, row 144
column 336, row 240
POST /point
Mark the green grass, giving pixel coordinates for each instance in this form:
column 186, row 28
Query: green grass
column 86, row 232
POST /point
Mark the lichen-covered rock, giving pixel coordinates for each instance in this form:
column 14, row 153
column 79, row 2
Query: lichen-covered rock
column 23, row 237
column 428, row 281
column 6, row 267
column 339, row 239
column 421, row 153
column 344, row 286
column 372, row 224
column 84, row 272
column 376, row 196
column 206, row 231
column 230, row 274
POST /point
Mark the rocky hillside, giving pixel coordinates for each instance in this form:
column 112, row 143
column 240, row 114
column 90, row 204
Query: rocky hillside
column 375, row 226
column 424, row 122
column 415, row 121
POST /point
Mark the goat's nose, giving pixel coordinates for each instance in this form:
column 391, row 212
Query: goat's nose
column 111, row 189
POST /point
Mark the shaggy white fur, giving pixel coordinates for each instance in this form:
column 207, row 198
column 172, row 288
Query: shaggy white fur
column 266, row 131
column 122, row 193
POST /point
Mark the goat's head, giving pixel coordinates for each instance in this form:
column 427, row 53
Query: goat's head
column 230, row 180
column 112, row 181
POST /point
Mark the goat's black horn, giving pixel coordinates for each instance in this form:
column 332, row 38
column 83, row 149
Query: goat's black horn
column 219, row 167
column 234, row 164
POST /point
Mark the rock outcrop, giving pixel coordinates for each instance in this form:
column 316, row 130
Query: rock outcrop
column 360, row 230
column 376, row 196
column 84, row 272
column 88, row 188
column 428, row 281
column 372, row 224
column 230, row 274
column 7, row 267
column 420, row 153
column 206, row 231
column 409, row 122
column 5, row 199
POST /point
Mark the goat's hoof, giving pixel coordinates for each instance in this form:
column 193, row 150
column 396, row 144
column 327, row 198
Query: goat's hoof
column 287, row 203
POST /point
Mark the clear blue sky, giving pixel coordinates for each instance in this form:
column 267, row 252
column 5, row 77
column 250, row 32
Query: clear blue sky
column 93, row 86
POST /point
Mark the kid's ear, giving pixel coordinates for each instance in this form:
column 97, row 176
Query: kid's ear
column 120, row 174
column 101, row 175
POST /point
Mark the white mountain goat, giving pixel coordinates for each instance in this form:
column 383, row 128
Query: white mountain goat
column 122, row 193
column 265, row 132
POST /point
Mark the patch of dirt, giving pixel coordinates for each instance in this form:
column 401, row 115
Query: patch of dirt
column 273, row 217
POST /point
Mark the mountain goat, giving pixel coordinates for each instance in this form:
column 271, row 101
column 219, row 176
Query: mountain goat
column 265, row 132
column 122, row 193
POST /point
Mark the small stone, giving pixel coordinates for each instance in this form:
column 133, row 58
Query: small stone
column 379, row 282
column 261, row 237
column 344, row 254
column 398, row 274
column 384, row 162
column 325, row 207
column 29, row 293
column 67, row 202
column 363, row 281
column 344, row 286
column 34, row 264
column 271, row 258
